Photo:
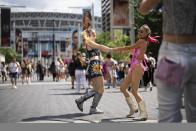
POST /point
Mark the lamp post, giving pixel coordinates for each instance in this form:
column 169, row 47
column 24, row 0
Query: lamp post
column 14, row 39
column 53, row 44
column 93, row 18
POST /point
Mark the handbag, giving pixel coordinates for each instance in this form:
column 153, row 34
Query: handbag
column 170, row 73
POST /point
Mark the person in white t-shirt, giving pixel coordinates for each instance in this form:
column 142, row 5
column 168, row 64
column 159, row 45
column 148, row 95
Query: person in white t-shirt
column 14, row 68
column 57, row 64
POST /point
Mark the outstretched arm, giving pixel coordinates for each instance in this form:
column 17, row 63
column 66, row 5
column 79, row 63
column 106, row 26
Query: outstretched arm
column 128, row 48
column 93, row 44
column 120, row 49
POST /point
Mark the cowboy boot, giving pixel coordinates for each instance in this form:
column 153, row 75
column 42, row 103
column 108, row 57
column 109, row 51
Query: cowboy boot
column 94, row 109
column 83, row 98
column 143, row 112
column 132, row 106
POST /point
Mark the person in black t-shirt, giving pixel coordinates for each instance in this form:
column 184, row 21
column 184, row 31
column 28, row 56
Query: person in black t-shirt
column 71, row 69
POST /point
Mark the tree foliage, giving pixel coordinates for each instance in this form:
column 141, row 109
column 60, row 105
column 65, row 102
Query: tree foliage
column 121, row 40
column 9, row 54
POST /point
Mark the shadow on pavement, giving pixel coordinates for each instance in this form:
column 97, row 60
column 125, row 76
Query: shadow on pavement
column 117, row 120
column 2, row 89
column 143, row 91
column 69, row 94
column 61, row 89
column 62, row 118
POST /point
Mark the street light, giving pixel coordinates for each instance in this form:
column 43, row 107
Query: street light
column 53, row 44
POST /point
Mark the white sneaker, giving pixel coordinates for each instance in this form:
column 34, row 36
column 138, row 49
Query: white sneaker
column 14, row 87
column 95, row 111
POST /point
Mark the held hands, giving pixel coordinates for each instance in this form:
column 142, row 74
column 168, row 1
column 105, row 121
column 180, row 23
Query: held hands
column 117, row 50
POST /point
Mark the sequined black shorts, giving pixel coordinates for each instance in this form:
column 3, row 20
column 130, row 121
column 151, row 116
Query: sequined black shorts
column 94, row 69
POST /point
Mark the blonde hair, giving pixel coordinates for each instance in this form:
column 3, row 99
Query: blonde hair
column 146, row 29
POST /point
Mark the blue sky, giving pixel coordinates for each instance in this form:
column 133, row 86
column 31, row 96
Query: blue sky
column 54, row 5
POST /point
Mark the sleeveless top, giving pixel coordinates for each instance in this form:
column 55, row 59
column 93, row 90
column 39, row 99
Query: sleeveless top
column 93, row 52
column 135, row 55
column 134, row 59
column 179, row 17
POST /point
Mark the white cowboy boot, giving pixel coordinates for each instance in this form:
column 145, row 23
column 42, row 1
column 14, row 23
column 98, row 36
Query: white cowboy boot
column 143, row 112
column 132, row 106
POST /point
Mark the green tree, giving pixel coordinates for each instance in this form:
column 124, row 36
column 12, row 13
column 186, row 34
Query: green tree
column 120, row 40
column 9, row 54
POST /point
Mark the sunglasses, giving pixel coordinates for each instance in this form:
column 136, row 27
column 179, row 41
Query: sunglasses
column 140, row 31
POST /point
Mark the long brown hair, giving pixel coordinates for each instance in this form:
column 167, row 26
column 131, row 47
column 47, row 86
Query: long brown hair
column 87, row 14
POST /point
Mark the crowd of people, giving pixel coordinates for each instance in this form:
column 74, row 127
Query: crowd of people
column 113, row 71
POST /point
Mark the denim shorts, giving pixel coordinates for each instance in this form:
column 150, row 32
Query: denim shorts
column 14, row 75
column 94, row 69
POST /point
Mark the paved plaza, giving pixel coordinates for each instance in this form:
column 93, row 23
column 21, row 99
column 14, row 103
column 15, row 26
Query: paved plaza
column 53, row 102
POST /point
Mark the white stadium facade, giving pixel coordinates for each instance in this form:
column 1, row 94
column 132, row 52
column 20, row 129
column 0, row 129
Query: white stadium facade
column 37, row 29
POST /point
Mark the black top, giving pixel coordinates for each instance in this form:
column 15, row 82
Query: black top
column 79, row 65
column 71, row 68
column 52, row 67
column 93, row 52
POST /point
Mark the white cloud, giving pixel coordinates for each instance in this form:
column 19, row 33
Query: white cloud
column 54, row 6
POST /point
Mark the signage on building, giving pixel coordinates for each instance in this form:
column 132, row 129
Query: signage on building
column 120, row 13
